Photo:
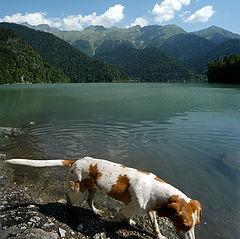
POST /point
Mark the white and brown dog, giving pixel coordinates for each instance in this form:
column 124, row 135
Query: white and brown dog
column 140, row 192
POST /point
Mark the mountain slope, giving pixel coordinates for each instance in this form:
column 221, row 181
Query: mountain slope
column 76, row 65
column 228, row 47
column 148, row 65
column 188, row 48
column 19, row 63
column 216, row 34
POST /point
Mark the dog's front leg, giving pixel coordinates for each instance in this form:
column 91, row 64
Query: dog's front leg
column 69, row 201
column 153, row 219
column 90, row 198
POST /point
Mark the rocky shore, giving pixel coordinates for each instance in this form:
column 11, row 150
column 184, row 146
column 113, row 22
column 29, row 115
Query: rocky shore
column 33, row 205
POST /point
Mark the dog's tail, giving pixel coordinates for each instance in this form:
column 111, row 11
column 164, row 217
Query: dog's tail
column 41, row 163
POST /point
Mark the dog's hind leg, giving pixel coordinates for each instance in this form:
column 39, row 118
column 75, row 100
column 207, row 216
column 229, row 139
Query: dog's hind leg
column 90, row 198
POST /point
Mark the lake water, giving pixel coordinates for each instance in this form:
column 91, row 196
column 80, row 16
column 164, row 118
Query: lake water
column 187, row 134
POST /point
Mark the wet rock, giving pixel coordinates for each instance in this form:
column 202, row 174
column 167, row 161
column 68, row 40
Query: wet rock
column 232, row 160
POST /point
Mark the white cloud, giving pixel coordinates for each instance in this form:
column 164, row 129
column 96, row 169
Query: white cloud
column 73, row 22
column 201, row 15
column 166, row 10
column 141, row 21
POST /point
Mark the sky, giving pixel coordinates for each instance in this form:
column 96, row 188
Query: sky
column 191, row 15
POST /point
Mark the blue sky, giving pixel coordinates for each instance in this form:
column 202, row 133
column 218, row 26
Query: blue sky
column 191, row 15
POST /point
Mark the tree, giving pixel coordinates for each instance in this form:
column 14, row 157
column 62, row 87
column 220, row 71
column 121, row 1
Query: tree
column 226, row 70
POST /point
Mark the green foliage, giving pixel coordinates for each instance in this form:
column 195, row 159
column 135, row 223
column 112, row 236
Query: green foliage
column 19, row 63
column 148, row 65
column 75, row 64
column 226, row 70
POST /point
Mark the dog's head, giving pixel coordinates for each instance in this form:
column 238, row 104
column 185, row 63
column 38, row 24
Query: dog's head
column 185, row 215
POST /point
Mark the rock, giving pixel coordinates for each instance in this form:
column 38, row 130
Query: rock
column 31, row 206
column 100, row 236
column 232, row 161
column 2, row 156
column 34, row 233
column 62, row 232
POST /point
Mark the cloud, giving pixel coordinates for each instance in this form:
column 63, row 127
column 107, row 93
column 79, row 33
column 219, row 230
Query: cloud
column 141, row 21
column 166, row 10
column 112, row 16
column 201, row 15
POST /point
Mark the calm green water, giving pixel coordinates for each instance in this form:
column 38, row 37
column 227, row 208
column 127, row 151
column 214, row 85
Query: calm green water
column 181, row 132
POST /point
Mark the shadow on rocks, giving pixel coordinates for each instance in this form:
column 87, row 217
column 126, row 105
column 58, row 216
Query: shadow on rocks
column 85, row 221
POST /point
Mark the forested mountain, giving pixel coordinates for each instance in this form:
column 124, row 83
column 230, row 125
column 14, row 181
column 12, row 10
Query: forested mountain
column 226, row 48
column 193, row 49
column 148, row 65
column 128, row 49
column 19, row 63
column 226, row 70
column 76, row 65
column 188, row 48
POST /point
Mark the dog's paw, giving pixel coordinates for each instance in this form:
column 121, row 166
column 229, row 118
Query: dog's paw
column 160, row 236
column 99, row 212
column 131, row 222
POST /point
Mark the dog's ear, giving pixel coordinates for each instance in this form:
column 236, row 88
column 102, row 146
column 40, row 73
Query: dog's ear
column 168, row 209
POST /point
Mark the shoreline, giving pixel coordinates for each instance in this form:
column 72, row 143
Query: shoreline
column 29, row 211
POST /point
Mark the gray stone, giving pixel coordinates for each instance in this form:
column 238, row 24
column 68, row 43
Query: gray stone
column 62, row 232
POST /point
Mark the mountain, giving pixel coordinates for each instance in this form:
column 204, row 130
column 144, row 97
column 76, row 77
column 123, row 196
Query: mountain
column 75, row 64
column 216, row 34
column 155, row 35
column 188, row 48
column 19, row 63
column 94, row 38
column 226, row 48
column 148, row 65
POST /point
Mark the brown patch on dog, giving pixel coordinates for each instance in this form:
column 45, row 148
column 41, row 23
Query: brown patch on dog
column 180, row 212
column 159, row 180
column 94, row 174
column 84, row 185
column 120, row 190
column 68, row 163
column 143, row 172
column 123, row 166
column 77, row 184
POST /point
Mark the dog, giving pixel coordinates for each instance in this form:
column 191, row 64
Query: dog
column 140, row 192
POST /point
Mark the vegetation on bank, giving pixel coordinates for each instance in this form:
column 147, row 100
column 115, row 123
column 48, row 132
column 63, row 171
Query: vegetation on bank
column 226, row 70
column 19, row 63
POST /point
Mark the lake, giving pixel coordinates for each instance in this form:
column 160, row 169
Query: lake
column 187, row 134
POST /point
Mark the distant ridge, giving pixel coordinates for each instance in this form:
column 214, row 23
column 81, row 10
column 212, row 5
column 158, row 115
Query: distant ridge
column 216, row 34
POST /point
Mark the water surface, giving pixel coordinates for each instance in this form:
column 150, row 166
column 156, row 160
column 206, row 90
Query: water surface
column 187, row 134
